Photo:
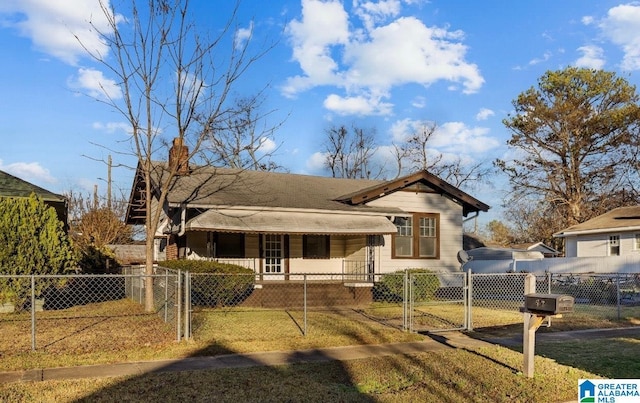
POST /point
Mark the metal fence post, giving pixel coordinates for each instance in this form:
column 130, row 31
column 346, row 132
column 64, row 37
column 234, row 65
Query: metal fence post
column 469, row 301
column 166, row 296
column 187, row 306
column 177, row 305
column 33, row 313
column 305, row 304
column 405, row 298
column 618, row 294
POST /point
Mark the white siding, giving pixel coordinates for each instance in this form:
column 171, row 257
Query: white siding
column 598, row 244
column 450, row 230
column 297, row 264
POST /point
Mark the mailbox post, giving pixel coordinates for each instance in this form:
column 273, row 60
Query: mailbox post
column 536, row 308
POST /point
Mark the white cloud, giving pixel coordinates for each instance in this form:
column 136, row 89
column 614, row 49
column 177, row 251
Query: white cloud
column 315, row 163
column 457, row 137
column 331, row 52
column 358, row 105
column 51, row 25
column 484, row 114
column 243, row 35
column 587, row 20
column 449, row 137
column 372, row 13
column 419, row 102
column 622, row 27
column 29, row 171
column 112, row 127
column 95, row 84
column 592, row 57
column 266, row 145
column 546, row 56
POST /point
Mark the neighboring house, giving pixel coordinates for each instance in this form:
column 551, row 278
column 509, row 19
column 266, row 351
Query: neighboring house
column 287, row 223
column 496, row 260
column 546, row 250
column 10, row 186
column 615, row 233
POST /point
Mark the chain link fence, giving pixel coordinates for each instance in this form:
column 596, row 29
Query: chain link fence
column 497, row 298
column 78, row 312
column 72, row 313
column 406, row 301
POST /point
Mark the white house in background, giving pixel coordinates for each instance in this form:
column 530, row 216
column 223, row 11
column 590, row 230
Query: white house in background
column 615, row 233
column 546, row 250
column 282, row 223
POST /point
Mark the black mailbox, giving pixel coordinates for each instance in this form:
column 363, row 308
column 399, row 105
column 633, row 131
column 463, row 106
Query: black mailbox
column 550, row 304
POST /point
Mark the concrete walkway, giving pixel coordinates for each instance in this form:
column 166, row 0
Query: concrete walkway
column 435, row 342
column 271, row 358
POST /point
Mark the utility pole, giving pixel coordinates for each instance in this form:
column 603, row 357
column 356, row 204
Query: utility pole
column 109, row 182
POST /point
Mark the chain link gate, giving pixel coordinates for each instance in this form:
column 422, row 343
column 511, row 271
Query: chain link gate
column 437, row 302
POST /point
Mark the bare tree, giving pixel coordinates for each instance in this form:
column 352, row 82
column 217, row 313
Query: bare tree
column 416, row 153
column 174, row 80
column 243, row 140
column 349, row 154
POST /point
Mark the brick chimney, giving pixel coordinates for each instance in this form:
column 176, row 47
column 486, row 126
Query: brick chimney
column 179, row 157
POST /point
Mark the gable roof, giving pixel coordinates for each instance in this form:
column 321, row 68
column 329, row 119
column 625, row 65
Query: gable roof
column 11, row 186
column 208, row 187
column 618, row 219
column 435, row 184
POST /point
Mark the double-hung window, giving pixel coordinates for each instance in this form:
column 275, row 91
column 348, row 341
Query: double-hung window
column 417, row 236
column 614, row 245
column 316, row 246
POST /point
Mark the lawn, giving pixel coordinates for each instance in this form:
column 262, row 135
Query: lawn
column 111, row 332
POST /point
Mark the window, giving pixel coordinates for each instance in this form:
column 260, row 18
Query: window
column 403, row 240
column 636, row 244
column 614, row 245
column 417, row 237
column 316, row 246
column 228, row 245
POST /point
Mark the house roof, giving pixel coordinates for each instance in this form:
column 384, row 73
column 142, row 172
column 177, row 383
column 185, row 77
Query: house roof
column 208, row 187
column 10, row 186
column 538, row 246
column 618, row 219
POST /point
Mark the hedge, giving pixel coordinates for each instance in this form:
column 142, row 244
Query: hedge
column 215, row 284
column 390, row 288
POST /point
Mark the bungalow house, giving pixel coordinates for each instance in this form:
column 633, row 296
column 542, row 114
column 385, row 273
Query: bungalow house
column 282, row 223
column 614, row 233
column 10, row 186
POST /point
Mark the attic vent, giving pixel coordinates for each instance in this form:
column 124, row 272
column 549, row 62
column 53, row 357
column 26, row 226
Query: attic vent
column 631, row 217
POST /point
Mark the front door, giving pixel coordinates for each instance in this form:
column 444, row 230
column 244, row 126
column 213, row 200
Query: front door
column 273, row 256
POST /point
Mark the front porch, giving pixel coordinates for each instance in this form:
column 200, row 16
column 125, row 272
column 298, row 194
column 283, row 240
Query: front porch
column 354, row 273
column 294, row 294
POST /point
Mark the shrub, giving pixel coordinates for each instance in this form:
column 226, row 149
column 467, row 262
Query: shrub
column 215, row 284
column 390, row 288
column 32, row 242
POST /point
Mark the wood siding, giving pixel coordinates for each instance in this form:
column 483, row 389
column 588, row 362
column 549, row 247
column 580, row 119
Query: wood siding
column 450, row 230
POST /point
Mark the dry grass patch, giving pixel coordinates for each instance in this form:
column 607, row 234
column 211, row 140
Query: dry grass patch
column 444, row 376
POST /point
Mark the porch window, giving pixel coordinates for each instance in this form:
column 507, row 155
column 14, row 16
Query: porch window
column 418, row 237
column 228, row 245
column 614, row 245
column 316, row 246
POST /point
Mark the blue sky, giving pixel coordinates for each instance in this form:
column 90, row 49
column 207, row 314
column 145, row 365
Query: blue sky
column 387, row 65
